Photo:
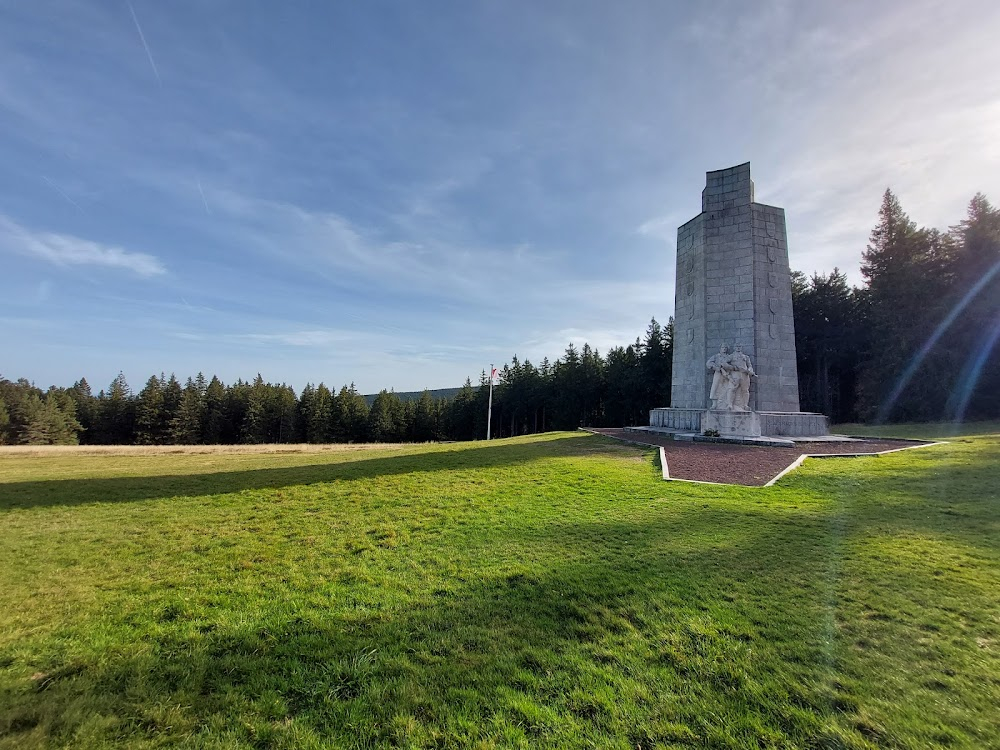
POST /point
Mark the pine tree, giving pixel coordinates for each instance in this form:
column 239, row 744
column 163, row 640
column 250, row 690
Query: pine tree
column 237, row 406
column 382, row 427
column 149, row 413
column 50, row 420
column 86, row 409
column 321, row 424
column 654, row 364
column 172, row 395
column 568, row 380
column 461, row 421
column 116, row 413
column 353, row 410
column 828, row 338
column 425, row 419
column 904, row 375
column 315, row 412
column 186, row 426
column 283, row 407
column 4, row 423
column 216, row 423
column 254, row 421
column 975, row 300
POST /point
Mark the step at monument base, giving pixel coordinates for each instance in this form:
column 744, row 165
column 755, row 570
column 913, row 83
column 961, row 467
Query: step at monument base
column 773, row 423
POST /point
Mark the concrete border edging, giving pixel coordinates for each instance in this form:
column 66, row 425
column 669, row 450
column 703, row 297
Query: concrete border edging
column 802, row 459
column 787, row 470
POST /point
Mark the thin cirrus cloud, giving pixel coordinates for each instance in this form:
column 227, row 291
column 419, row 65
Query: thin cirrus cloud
column 407, row 254
column 67, row 250
column 317, row 338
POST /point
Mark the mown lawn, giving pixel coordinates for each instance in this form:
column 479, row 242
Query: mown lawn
column 548, row 591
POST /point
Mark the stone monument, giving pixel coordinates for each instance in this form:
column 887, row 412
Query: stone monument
column 733, row 295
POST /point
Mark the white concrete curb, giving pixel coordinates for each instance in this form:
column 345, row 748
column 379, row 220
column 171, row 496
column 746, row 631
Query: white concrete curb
column 788, row 469
column 801, row 459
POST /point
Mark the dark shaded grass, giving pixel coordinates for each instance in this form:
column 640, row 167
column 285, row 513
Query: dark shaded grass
column 558, row 596
column 342, row 467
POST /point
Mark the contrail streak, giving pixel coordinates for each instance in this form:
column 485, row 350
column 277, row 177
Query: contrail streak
column 207, row 209
column 63, row 194
column 142, row 38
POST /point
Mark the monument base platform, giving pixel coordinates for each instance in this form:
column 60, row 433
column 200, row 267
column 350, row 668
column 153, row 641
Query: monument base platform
column 730, row 423
column 780, row 424
column 794, row 423
column 676, row 420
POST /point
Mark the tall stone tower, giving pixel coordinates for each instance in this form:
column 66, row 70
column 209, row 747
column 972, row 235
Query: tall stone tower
column 734, row 288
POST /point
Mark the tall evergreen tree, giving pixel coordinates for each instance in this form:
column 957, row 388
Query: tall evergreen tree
column 828, row 339
column 149, row 417
column 4, row 423
column 316, row 414
column 50, row 420
column 975, row 303
column 217, row 426
column 353, row 411
column 461, row 419
column 655, row 361
column 116, row 413
column 382, row 418
column 86, row 409
column 425, row 419
column 282, row 406
column 901, row 377
column 186, row 426
column 255, row 420
column 172, row 395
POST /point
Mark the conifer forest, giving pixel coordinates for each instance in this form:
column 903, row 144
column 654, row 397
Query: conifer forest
column 916, row 341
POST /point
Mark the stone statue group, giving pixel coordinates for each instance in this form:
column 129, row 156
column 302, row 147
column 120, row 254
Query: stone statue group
column 731, row 382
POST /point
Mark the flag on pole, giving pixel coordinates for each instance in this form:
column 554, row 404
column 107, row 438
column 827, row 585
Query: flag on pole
column 489, row 409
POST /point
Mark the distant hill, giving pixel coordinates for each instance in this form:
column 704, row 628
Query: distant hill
column 436, row 393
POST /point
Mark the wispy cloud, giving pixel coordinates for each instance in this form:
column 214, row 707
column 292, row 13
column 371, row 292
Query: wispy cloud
column 332, row 246
column 310, row 339
column 67, row 250
column 662, row 227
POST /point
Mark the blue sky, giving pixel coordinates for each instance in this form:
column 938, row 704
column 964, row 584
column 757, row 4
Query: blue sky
column 398, row 193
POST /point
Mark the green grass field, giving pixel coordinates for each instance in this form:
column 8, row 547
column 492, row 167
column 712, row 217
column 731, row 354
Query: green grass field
column 548, row 591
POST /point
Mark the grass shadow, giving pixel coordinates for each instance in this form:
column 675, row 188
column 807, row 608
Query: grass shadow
column 630, row 637
column 492, row 455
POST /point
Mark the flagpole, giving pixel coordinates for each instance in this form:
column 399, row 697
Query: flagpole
column 489, row 410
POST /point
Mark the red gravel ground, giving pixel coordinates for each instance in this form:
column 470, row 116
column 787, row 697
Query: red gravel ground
column 749, row 465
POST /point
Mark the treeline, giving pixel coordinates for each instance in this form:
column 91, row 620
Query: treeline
column 581, row 387
column 915, row 342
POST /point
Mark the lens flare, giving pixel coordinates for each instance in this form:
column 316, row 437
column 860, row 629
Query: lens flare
column 921, row 354
column 973, row 369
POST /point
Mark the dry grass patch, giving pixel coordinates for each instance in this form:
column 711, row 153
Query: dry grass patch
column 162, row 450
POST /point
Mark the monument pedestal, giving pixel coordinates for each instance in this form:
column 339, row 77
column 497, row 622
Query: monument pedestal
column 768, row 423
column 731, row 423
column 676, row 420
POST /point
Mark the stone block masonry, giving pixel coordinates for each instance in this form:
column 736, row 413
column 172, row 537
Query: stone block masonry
column 734, row 287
